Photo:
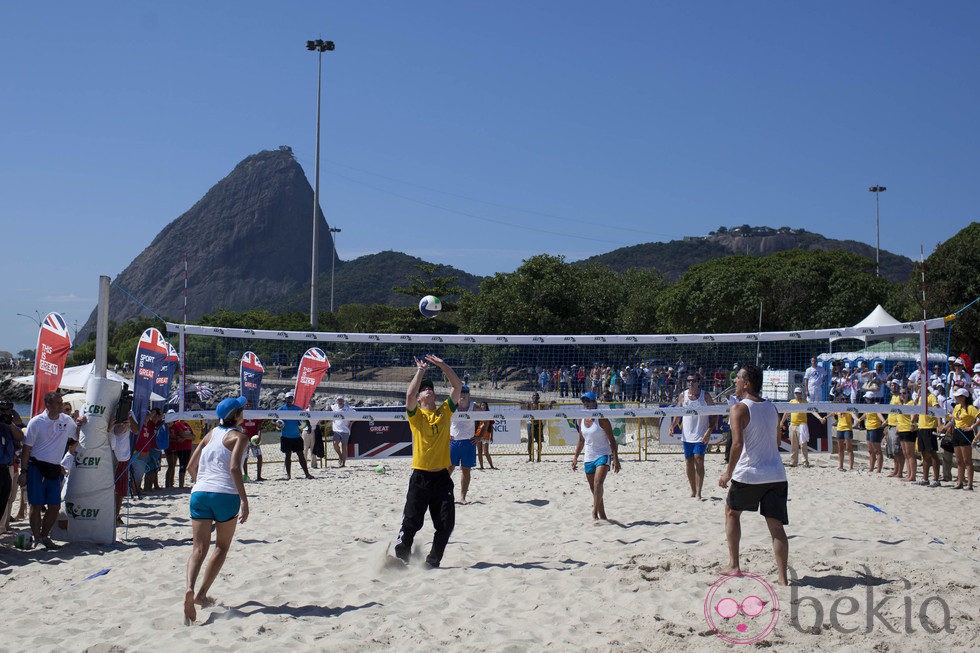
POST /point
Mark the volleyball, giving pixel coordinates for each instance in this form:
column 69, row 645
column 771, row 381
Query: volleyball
column 22, row 540
column 280, row 424
column 430, row 306
column 255, row 440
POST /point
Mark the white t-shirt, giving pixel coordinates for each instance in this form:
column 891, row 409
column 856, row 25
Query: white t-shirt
column 48, row 437
column 760, row 461
column 462, row 429
column 814, row 379
column 694, row 426
column 68, row 462
column 342, row 425
column 596, row 441
column 120, row 445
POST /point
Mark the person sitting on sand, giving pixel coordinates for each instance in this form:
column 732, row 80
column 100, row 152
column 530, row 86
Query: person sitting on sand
column 595, row 437
column 430, row 486
column 217, row 498
column 756, row 471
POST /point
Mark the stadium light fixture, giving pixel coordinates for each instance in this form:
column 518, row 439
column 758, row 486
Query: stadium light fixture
column 319, row 46
column 877, row 190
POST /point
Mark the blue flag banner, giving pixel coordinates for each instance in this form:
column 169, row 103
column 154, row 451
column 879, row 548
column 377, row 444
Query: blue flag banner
column 251, row 376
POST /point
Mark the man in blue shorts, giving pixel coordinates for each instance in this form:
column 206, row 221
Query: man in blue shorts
column 462, row 443
column 695, row 432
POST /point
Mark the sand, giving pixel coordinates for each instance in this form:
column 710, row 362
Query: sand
column 526, row 568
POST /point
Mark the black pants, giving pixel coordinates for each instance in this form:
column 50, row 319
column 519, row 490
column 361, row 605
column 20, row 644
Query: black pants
column 6, row 485
column 432, row 491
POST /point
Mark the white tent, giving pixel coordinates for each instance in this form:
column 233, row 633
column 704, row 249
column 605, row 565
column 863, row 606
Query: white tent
column 76, row 378
column 876, row 318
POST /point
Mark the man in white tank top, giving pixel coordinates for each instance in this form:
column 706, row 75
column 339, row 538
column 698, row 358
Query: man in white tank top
column 695, row 432
column 756, row 471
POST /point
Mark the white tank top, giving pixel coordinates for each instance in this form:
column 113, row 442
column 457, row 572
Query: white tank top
column 760, row 461
column 214, row 468
column 596, row 441
column 462, row 429
column 694, row 426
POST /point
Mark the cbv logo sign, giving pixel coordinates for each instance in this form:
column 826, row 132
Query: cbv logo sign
column 94, row 409
column 87, row 461
column 80, row 512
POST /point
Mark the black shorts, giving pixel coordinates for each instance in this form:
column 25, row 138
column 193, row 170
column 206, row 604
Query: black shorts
column 906, row 436
column 962, row 438
column 771, row 496
column 927, row 440
column 291, row 445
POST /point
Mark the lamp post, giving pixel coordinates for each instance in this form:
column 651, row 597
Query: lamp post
column 35, row 320
column 877, row 190
column 333, row 259
column 319, row 46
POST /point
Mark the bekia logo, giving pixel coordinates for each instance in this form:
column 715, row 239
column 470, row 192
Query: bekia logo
column 81, row 513
column 741, row 609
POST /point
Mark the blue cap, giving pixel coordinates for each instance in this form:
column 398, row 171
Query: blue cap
column 229, row 405
column 589, row 395
column 465, row 389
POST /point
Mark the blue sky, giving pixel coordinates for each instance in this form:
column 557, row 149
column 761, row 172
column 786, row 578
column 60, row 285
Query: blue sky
column 519, row 127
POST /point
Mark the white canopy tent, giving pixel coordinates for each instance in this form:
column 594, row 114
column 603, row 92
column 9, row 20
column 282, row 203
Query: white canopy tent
column 77, row 378
column 879, row 317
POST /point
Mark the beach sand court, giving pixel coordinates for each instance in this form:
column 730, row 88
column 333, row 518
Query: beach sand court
column 526, row 568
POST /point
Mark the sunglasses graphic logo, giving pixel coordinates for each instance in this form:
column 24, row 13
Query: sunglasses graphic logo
column 741, row 609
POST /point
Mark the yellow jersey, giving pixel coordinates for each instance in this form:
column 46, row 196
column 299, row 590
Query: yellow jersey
column 929, row 421
column 904, row 422
column 893, row 419
column 797, row 418
column 872, row 421
column 845, row 421
column 430, row 436
column 964, row 416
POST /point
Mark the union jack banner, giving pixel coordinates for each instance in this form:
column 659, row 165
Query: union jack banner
column 53, row 345
column 311, row 370
column 250, row 373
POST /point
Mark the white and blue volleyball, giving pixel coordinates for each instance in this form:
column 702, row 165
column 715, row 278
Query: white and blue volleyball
column 430, row 306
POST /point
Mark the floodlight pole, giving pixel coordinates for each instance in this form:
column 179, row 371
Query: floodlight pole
column 333, row 260
column 319, row 46
column 877, row 190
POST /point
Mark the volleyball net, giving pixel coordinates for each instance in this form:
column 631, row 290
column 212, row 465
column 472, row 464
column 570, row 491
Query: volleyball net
column 542, row 377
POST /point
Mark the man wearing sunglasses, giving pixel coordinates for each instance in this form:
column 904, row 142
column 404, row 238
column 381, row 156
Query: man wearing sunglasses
column 695, row 432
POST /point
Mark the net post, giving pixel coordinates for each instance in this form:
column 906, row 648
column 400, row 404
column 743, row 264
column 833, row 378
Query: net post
column 924, row 374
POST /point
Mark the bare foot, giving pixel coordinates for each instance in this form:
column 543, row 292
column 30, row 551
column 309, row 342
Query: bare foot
column 782, row 581
column 204, row 601
column 190, row 612
column 730, row 571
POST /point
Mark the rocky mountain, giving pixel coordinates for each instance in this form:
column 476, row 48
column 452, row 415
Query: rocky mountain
column 259, row 214
column 672, row 258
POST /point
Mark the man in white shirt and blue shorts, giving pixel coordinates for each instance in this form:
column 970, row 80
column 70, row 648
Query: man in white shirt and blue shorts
column 462, row 443
column 341, row 429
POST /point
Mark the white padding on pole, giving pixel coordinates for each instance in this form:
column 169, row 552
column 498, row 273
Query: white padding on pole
column 89, row 497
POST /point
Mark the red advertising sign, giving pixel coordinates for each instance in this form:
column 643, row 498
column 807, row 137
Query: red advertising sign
column 53, row 345
column 311, row 370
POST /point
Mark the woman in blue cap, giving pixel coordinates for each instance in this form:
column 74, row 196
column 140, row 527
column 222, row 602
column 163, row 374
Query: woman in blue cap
column 217, row 499
column 601, row 453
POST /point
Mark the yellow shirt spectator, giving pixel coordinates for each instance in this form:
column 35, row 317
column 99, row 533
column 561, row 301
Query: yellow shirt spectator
column 893, row 419
column 964, row 416
column 929, row 421
column 430, row 436
column 904, row 422
column 797, row 418
column 873, row 421
column 845, row 421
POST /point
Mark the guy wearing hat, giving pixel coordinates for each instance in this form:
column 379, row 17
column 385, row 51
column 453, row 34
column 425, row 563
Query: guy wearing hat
column 290, row 440
column 430, row 487
column 799, row 433
column 341, row 429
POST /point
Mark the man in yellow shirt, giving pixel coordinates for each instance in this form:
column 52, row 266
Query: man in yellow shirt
column 430, row 487
column 799, row 433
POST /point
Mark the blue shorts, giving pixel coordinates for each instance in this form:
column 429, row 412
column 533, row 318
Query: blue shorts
column 601, row 461
column 215, row 506
column 42, row 491
column 692, row 449
column 875, row 435
column 462, row 453
column 845, row 435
